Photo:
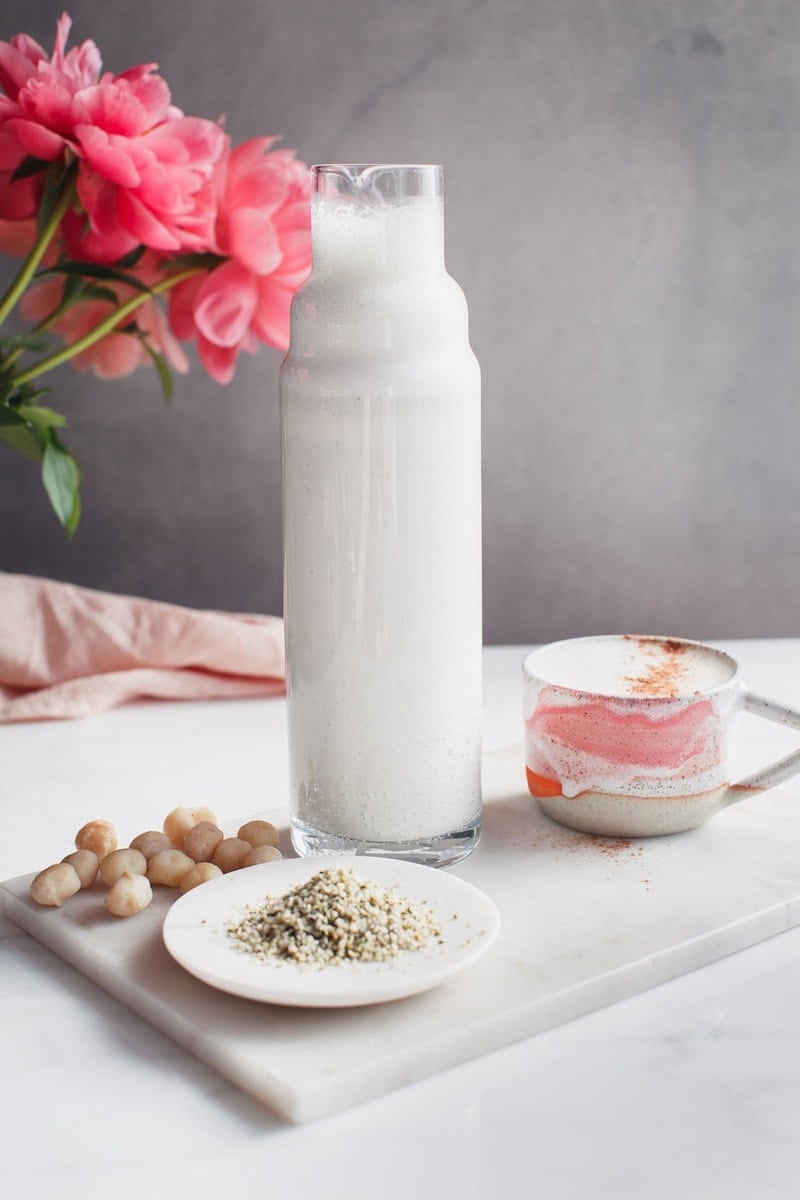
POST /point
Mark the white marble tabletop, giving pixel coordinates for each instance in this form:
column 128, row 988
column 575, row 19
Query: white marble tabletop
column 691, row 1090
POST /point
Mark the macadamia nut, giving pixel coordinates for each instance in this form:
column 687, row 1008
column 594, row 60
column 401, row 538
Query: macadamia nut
column 168, row 867
column 259, row 833
column 55, row 884
column 119, row 862
column 231, row 853
column 204, row 814
column 86, row 864
column 98, row 836
column 178, row 823
column 202, row 840
column 150, row 843
column 199, row 874
column 129, row 895
column 262, row 854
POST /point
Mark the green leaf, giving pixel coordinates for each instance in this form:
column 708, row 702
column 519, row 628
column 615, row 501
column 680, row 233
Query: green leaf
column 28, row 393
column 158, row 360
column 96, row 291
column 61, row 477
column 129, row 260
column 41, row 415
column 73, row 289
column 161, row 366
column 87, row 270
column 54, row 179
column 23, row 439
column 75, row 515
column 30, row 165
column 10, row 416
column 200, row 259
column 17, row 394
column 23, row 341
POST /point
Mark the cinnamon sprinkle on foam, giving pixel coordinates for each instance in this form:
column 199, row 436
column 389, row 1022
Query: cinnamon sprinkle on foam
column 664, row 673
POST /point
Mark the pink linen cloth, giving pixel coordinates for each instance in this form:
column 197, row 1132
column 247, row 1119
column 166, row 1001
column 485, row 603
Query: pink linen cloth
column 68, row 651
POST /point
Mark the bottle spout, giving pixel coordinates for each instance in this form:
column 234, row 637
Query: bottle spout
column 374, row 218
column 377, row 183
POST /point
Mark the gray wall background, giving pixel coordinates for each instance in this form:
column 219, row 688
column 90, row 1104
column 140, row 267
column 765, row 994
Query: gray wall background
column 623, row 212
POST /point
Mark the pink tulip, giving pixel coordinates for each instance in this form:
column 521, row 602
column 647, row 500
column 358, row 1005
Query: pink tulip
column 263, row 230
column 116, row 354
column 144, row 167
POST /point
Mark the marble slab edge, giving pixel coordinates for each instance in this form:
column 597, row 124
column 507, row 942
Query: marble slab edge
column 268, row 1090
column 427, row 1058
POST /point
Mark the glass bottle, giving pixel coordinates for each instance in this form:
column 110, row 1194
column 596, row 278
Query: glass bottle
column 380, row 431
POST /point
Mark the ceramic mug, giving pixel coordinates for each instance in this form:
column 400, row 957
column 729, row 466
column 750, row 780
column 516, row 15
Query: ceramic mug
column 626, row 736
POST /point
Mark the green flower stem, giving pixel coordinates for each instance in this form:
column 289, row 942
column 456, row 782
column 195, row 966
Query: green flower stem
column 12, row 357
column 105, row 327
column 28, row 269
column 43, row 327
column 47, row 323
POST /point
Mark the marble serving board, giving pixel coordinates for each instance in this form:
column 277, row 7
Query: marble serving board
column 585, row 922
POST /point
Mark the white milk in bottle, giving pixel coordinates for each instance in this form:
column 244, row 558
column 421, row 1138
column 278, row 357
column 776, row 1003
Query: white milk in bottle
column 380, row 427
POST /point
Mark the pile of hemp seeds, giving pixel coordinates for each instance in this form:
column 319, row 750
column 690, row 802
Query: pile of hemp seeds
column 332, row 919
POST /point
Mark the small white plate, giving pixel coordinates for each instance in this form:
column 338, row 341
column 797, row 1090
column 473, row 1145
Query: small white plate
column 196, row 937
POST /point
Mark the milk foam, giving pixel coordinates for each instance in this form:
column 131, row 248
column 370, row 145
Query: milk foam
column 354, row 238
column 632, row 666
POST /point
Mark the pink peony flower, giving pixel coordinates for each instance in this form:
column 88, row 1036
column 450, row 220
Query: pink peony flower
column 19, row 198
column 263, row 229
column 34, row 112
column 17, row 237
column 144, row 167
column 117, row 354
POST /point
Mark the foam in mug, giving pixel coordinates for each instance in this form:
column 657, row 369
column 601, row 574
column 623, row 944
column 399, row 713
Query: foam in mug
column 615, row 724
column 634, row 666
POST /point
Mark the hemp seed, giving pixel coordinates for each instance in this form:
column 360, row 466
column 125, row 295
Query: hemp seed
column 334, row 918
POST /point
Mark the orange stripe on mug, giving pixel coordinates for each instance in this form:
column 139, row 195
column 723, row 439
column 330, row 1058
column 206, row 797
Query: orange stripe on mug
column 538, row 785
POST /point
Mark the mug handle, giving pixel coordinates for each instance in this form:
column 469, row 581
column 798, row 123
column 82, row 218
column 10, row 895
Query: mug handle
column 778, row 772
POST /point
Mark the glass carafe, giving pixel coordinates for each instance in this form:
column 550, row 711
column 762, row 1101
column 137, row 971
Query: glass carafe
column 380, row 428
